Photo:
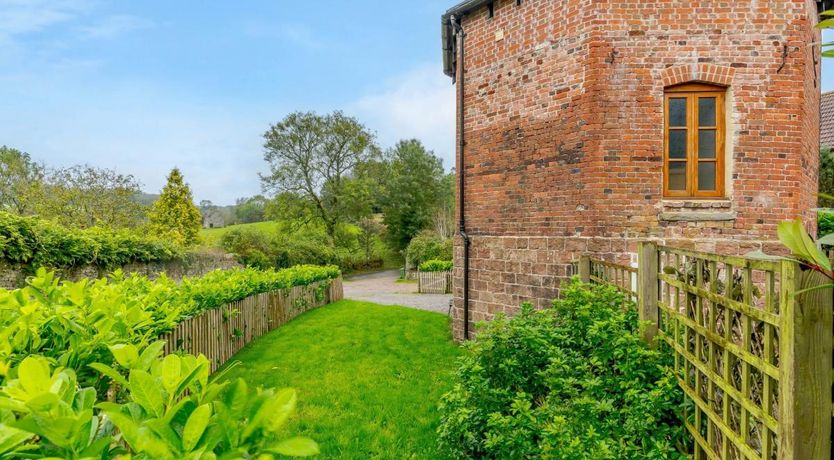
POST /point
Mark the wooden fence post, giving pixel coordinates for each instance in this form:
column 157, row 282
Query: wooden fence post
column 805, row 344
column 585, row 268
column 647, row 270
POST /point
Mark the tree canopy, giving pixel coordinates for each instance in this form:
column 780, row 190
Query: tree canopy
column 313, row 157
column 414, row 191
column 21, row 179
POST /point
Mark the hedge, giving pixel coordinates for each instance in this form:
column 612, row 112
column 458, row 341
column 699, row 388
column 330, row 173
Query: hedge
column 436, row 266
column 74, row 323
column 33, row 242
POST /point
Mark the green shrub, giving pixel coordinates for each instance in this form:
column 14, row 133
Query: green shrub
column 825, row 223
column 162, row 408
column 74, row 323
column 572, row 382
column 34, row 243
column 428, row 246
column 436, row 266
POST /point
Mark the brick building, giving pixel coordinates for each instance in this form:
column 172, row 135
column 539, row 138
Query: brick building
column 589, row 125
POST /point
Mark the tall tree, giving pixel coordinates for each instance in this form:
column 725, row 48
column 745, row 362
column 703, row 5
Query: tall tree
column 174, row 214
column 86, row 196
column 413, row 193
column 21, row 181
column 251, row 209
column 312, row 156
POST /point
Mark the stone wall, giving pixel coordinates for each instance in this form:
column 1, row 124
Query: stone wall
column 193, row 264
column 564, row 134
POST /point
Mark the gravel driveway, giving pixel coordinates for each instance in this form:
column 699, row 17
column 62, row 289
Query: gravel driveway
column 382, row 288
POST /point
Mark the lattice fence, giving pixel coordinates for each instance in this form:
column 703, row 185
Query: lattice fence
column 752, row 356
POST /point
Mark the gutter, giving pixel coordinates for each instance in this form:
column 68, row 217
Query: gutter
column 448, row 29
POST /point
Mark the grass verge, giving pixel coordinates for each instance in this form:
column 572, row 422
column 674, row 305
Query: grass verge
column 369, row 377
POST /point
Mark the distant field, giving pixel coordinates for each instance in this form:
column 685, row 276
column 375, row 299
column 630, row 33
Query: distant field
column 211, row 236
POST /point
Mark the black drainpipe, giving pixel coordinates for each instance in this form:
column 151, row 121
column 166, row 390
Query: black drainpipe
column 462, row 186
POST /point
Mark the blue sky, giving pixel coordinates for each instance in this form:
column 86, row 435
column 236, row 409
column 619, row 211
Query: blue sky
column 143, row 86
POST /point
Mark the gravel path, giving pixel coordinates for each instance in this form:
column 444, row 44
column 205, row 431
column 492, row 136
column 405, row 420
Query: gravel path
column 382, row 288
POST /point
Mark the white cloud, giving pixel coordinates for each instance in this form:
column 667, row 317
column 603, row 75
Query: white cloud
column 26, row 16
column 417, row 104
column 116, row 25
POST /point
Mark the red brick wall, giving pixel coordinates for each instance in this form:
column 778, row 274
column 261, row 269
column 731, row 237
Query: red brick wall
column 564, row 131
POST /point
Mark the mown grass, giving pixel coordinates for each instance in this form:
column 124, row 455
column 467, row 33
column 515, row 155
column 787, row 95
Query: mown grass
column 210, row 237
column 368, row 377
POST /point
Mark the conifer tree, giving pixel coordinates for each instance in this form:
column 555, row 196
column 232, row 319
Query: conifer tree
column 174, row 215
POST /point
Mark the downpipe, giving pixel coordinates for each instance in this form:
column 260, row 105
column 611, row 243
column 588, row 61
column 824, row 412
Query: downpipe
column 467, row 242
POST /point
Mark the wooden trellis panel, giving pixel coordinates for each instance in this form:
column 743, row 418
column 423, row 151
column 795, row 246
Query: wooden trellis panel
column 752, row 348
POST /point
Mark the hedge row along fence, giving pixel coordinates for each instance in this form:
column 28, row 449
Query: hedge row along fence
column 33, row 242
column 753, row 349
column 221, row 332
column 76, row 324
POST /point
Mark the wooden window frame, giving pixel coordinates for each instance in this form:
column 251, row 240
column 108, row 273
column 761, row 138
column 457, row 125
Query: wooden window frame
column 692, row 92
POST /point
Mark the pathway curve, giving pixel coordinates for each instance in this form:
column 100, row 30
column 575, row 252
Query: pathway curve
column 383, row 288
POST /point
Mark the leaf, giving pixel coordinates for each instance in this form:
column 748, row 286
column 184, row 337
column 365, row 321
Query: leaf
column 827, row 240
column 195, row 426
column 11, row 438
column 171, row 369
column 128, row 428
column 150, row 354
column 296, row 447
column 34, row 375
column 108, row 371
column 145, row 391
column 125, row 354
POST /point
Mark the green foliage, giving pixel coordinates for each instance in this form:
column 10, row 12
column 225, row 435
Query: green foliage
column 311, row 160
column 271, row 248
column 826, row 180
column 86, row 196
column 76, row 324
column 825, row 223
column 249, row 210
column 33, row 242
column 414, row 191
column 21, row 181
column 572, row 382
column 428, row 246
column 174, row 215
column 794, row 236
column 165, row 408
column 435, row 265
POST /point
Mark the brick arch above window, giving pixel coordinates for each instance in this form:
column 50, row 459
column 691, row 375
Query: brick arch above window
column 703, row 73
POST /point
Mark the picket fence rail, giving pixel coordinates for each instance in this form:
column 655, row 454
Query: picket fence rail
column 221, row 332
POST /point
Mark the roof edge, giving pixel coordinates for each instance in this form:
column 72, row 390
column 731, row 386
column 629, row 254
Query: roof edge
column 447, row 34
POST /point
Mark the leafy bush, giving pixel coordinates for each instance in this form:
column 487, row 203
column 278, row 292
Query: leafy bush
column 436, row 266
column 825, row 223
column 428, row 246
column 572, row 382
column 74, row 324
column 34, row 243
column 162, row 409
column 259, row 249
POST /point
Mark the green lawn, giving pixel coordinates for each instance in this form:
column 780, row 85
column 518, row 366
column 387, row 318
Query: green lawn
column 210, row 237
column 368, row 377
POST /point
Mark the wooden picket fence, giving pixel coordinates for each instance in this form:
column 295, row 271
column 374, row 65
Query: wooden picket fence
column 221, row 332
column 752, row 348
column 434, row 282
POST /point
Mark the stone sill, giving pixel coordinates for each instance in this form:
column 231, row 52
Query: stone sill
column 700, row 210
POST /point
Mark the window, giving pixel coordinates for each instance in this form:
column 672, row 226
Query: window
column 491, row 10
column 693, row 159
